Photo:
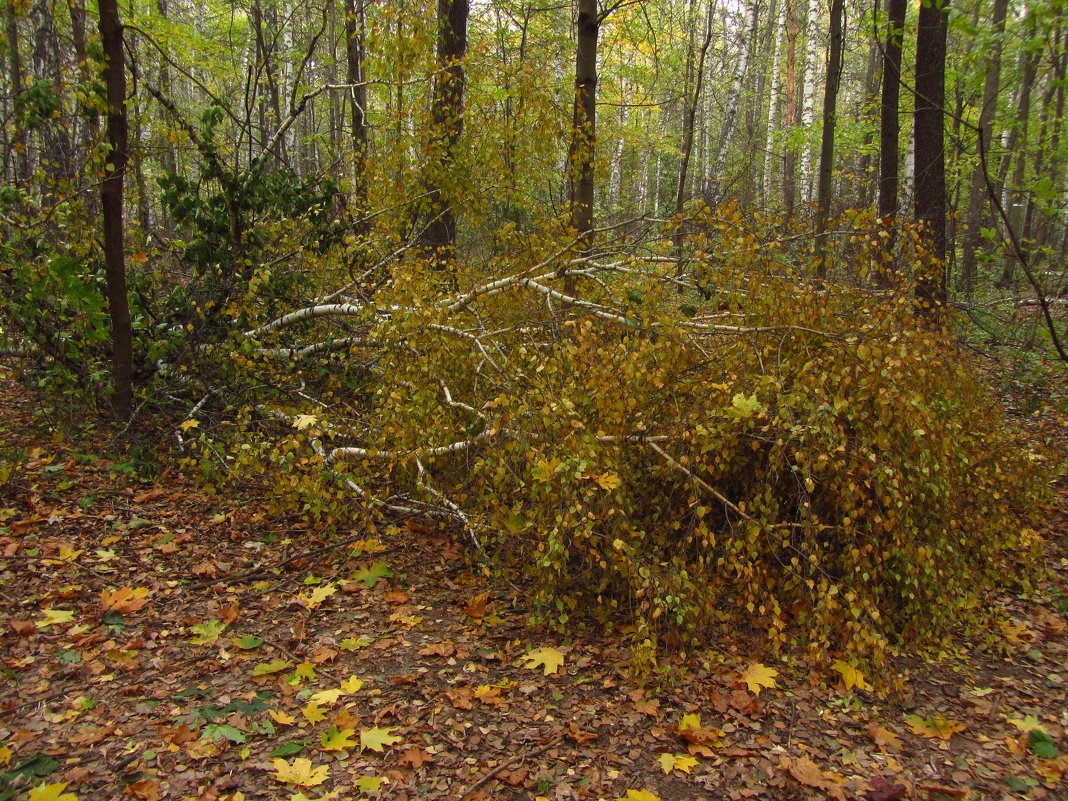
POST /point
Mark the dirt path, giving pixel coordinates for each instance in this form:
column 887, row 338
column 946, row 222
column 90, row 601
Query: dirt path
column 154, row 645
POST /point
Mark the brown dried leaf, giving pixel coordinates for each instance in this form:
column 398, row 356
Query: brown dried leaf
column 884, row 738
column 809, row 774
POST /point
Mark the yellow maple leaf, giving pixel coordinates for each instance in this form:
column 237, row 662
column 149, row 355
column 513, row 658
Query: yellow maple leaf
column 680, row 762
column 188, row 424
column 313, row 713
column 851, row 677
column 5, row 755
column 550, row 660
column 690, row 721
column 758, row 676
column 299, row 772
column 302, row 421
column 338, row 739
column 51, row 792
column 352, row 684
column 608, row 481
column 315, row 598
column 638, row 795
column 934, row 727
column 325, row 697
column 377, row 739
column 281, row 717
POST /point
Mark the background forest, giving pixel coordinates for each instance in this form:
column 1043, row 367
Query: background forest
column 665, row 305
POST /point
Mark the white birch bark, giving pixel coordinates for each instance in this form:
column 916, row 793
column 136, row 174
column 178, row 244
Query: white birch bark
column 767, row 175
column 616, row 175
column 735, row 95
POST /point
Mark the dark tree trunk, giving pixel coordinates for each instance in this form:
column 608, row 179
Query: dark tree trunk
column 830, row 97
column 930, row 155
column 693, row 104
column 584, row 123
column 111, row 204
column 354, row 33
column 865, row 179
column 889, row 123
column 438, row 236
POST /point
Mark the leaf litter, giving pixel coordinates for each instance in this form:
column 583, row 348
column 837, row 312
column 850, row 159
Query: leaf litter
column 151, row 651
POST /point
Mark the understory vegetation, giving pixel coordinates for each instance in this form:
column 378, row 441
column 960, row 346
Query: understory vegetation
column 679, row 445
column 369, row 278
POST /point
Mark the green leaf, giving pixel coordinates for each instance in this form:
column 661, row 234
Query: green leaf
column 338, row 740
column 371, row 575
column 288, row 749
column 369, row 784
column 219, row 731
column 247, row 642
column 267, row 668
column 1042, row 744
column 207, row 633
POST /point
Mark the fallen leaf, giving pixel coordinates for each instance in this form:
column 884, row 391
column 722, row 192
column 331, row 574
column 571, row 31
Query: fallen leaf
column 315, row 598
column 934, row 727
column 851, row 677
column 51, row 792
column 550, row 659
column 313, row 713
column 758, row 676
column 281, row 717
column 884, row 737
column 268, row 668
column 809, row 774
column 639, row 795
column 352, row 684
column 377, row 739
column 144, row 789
column 416, row 757
column 207, row 633
column 680, row 762
column 124, row 600
column 54, row 616
column 338, row 739
column 326, row 697
column 300, row 772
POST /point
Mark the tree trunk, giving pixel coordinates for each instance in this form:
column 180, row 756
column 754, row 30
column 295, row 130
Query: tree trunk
column 830, row 97
column 930, row 203
column 793, row 119
column 889, row 131
column 438, row 236
column 584, row 124
column 977, row 193
column 865, row 182
column 1014, row 193
column 692, row 104
column 111, row 205
column 766, row 172
column 734, row 99
column 808, row 97
column 354, row 52
column 21, row 166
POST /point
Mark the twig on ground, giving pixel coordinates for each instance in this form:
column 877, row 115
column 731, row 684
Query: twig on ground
column 504, row 765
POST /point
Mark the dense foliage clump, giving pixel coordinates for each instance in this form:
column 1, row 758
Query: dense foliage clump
column 809, row 459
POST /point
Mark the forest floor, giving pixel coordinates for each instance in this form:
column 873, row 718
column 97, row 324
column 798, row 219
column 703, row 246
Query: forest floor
column 159, row 643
